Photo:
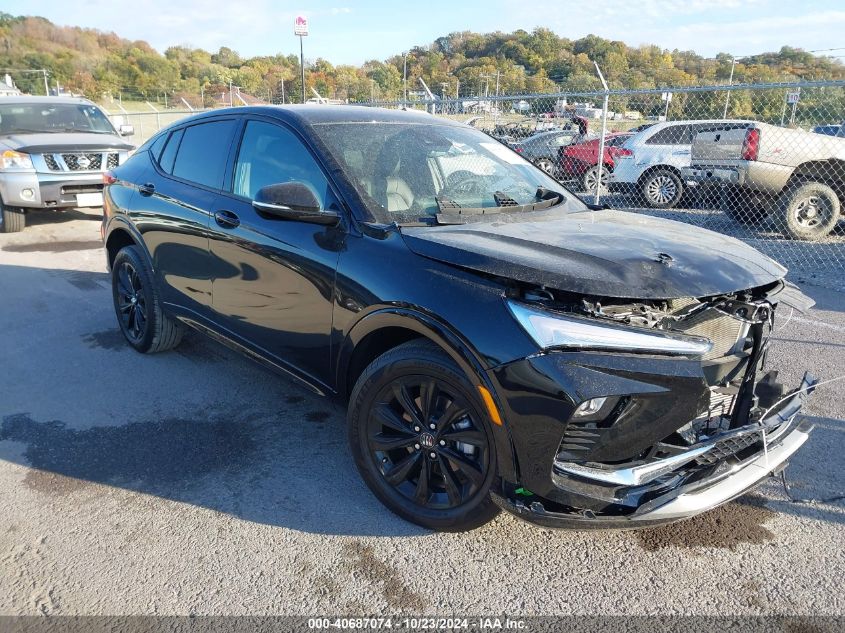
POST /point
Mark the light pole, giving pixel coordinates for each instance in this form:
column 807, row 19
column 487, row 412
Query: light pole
column 302, row 68
column 405, row 77
column 730, row 82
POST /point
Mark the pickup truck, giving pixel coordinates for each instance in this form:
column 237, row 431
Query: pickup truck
column 796, row 177
column 53, row 154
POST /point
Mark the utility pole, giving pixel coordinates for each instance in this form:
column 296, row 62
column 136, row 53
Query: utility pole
column 283, row 91
column 405, row 77
column 46, row 87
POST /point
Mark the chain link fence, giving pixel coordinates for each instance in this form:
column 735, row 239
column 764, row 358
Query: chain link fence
column 762, row 163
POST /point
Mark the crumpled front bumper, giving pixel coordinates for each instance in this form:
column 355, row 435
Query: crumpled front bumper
column 734, row 477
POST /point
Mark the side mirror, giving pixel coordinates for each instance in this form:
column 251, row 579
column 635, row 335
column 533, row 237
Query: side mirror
column 126, row 130
column 293, row 201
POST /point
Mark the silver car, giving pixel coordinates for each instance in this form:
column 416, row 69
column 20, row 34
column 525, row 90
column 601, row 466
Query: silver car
column 53, row 153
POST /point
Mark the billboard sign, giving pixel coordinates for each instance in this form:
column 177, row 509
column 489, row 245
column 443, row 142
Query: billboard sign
column 300, row 25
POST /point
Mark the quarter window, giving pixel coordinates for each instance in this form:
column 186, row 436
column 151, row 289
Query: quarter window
column 203, row 153
column 269, row 155
column 169, row 153
column 672, row 135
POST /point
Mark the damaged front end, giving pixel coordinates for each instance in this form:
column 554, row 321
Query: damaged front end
column 646, row 412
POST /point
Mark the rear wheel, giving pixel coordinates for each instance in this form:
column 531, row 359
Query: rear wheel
column 590, row 179
column 744, row 206
column 138, row 307
column 421, row 440
column 13, row 220
column 809, row 211
column 662, row 189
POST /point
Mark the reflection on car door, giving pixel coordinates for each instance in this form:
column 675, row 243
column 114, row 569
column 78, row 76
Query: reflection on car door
column 274, row 279
column 173, row 205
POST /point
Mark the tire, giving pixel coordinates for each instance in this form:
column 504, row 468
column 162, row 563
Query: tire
column 13, row 220
column 547, row 165
column 743, row 206
column 590, row 177
column 662, row 189
column 138, row 307
column 809, row 211
column 393, row 446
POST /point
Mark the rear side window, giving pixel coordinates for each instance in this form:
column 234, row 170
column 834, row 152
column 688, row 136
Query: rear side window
column 156, row 145
column 672, row 135
column 203, row 153
column 169, row 153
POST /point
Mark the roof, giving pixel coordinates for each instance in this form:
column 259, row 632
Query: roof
column 315, row 114
column 663, row 124
column 30, row 99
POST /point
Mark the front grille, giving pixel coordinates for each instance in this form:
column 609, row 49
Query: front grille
column 112, row 161
column 52, row 165
column 730, row 446
column 83, row 162
column 74, row 189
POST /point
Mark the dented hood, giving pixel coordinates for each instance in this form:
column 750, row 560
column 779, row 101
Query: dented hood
column 605, row 253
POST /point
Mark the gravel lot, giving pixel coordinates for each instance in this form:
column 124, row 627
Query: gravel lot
column 195, row 482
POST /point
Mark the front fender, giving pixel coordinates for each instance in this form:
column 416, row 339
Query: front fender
column 444, row 336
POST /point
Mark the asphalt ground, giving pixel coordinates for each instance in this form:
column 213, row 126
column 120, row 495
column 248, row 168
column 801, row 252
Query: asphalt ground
column 196, row 482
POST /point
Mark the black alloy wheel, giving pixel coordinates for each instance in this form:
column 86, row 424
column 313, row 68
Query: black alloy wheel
column 136, row 303
column 421, row 441
column 131, row 303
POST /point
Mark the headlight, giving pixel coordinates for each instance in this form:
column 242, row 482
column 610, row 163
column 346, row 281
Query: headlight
column 552, row 329
column 11, row 159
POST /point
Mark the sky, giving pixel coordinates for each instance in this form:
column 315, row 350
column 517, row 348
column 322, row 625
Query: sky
column 348, row 32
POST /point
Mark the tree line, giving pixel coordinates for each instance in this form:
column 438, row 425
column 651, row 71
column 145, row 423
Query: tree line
column 103, row 65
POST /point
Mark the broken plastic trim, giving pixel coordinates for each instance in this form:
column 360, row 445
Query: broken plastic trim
column 640, row 474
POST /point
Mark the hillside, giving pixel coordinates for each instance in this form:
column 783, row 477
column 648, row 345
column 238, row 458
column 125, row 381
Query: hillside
column 104, row 65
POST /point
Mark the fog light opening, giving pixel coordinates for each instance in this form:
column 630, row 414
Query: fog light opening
column 28, row 194
column 589, row 407
column 602, row 409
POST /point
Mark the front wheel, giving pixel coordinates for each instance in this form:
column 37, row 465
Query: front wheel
column 662, row 189
column 421, row 439
column 13, row 220
column 809, row 211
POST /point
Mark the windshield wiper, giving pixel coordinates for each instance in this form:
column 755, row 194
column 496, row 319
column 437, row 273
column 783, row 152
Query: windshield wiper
column 26, row 130
column 80, row 131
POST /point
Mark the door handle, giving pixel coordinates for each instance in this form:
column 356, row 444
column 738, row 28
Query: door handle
column 147, row 189
column 226, row 219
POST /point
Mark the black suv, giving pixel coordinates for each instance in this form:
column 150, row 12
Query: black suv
column 499, row 342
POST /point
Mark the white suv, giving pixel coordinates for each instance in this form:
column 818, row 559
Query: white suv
column 652, row 165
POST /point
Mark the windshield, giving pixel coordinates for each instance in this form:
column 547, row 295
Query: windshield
column 53, row 117
column 415, row 171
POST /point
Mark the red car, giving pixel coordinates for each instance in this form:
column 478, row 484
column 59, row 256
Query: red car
column 580, row 161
